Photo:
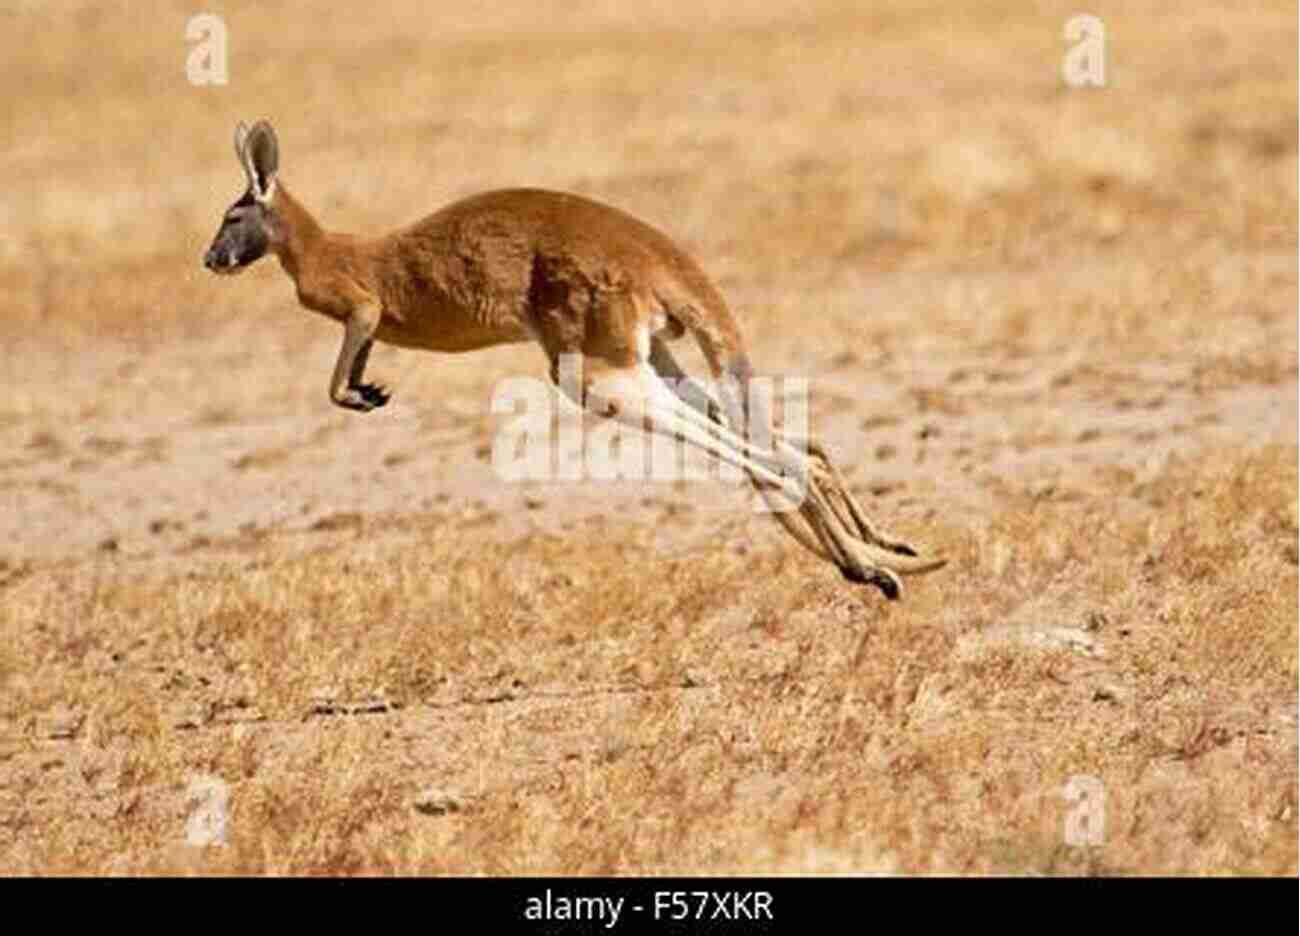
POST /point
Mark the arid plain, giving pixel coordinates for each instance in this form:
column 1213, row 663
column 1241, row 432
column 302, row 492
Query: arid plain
column 1049, row 331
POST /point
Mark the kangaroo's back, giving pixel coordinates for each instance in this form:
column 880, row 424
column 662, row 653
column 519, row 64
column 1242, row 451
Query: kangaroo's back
column 513, row 254
column 518, row 225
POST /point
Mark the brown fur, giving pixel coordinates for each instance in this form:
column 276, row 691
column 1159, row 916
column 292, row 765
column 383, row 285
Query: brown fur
column 505, row 266
column 580, row 278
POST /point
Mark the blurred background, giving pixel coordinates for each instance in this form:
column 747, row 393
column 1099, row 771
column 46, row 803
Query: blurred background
column 781, row 142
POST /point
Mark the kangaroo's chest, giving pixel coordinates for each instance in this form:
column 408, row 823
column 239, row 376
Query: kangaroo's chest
column 328, row 302
column 439, row 321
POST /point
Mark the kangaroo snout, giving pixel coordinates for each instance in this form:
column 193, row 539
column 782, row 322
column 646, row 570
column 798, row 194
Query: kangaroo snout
column 223, row 260
column 217, row 263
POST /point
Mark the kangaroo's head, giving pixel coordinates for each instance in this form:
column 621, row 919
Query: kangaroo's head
column 250, row 226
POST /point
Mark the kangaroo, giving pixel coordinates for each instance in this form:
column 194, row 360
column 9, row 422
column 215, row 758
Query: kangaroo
column 579, row 278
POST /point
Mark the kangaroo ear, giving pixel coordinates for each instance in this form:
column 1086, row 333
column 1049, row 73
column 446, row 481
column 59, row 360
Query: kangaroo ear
column 241, row 153
column 241, row 136
column 261, row 159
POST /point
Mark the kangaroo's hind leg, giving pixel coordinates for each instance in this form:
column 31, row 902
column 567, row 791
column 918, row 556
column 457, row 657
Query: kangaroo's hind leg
column 826, row 508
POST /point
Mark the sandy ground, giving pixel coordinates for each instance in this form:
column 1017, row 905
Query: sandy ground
column 1049, row 332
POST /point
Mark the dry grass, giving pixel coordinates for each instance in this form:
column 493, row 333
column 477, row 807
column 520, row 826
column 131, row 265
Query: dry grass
column 1052, row 332
column 592, row 722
